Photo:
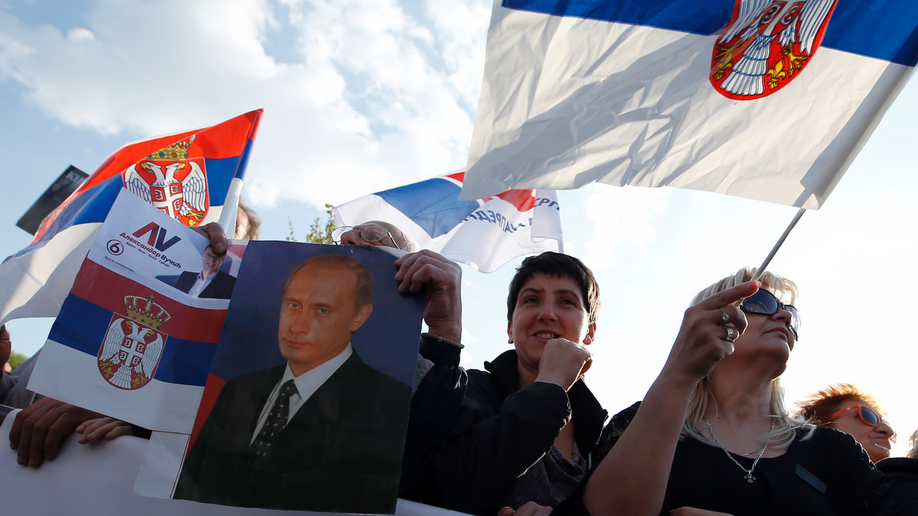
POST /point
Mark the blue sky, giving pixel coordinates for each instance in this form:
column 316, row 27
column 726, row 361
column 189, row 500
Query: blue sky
column 365, row 95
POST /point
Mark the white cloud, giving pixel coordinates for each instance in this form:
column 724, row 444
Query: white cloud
column 367, row 97
column 77, row 35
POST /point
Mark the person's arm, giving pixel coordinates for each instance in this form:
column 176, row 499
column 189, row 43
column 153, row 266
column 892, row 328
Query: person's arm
column 488, row 448
column 6, row 348
column 632, row 478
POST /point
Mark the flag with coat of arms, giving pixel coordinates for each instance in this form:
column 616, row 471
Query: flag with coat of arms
column 763, row 99
column 190, row 176
column 484, row 233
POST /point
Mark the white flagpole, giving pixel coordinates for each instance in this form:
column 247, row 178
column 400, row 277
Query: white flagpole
column 774, row 250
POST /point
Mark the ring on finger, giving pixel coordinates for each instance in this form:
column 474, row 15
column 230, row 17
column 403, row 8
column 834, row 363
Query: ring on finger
column 731, row 334
column 725, row 317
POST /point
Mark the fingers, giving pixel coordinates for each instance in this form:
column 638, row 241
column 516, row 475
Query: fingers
column 729, row 296
column 107, row 427
column 505, row 511
column 443, row 278
column 39, row 429
column 215, row 233
column 417, row 269
column 529, row 509
column 563, row 363
column 691, row 511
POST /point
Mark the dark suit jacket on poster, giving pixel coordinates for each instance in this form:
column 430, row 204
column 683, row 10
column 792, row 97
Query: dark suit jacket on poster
column 221, row 287
column 341, row 452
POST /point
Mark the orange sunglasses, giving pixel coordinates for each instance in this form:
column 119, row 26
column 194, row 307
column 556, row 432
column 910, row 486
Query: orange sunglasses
column 866, row 414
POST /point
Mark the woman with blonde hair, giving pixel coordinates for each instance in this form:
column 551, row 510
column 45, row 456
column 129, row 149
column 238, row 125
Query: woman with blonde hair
column 713, row 436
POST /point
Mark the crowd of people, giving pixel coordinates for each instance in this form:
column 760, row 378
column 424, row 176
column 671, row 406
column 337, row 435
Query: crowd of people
column 525, row 435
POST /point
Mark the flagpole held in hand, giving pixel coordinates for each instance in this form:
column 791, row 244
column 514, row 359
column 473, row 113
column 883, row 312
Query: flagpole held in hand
column 774, row 250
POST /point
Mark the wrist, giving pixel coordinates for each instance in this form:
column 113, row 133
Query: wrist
column 443, row 337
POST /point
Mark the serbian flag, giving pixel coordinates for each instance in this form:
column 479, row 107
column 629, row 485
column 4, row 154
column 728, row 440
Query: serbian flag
column 128, row 342
column 484, row 233
column 189, row 176
column 762, row 99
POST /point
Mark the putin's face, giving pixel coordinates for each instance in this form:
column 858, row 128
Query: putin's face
column 318, row 316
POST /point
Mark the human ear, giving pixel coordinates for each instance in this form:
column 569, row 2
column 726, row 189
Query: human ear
column 362, row 315
column 591, row 332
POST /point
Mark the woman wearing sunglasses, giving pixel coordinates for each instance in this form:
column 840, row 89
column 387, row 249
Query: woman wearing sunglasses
column 846, row 408
column 712, row 435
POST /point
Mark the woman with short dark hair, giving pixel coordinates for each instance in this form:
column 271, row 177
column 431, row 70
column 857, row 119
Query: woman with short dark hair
column 528, row 422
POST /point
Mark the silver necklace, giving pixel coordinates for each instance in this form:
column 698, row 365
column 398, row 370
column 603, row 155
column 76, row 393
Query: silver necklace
column 749, row 478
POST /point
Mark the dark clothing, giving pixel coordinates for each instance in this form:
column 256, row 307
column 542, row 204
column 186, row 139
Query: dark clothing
column 902, row 477
column 13, row 386
column 221, row 287
column 433, row 409
column 502, row 430
column 340, row 452
column 828, row 474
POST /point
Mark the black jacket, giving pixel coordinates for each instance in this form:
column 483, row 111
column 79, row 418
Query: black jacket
column 340, row 453
column 502, row 430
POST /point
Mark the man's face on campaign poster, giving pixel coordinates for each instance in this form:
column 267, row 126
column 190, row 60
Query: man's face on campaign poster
column 318, row 316
column 211, row 260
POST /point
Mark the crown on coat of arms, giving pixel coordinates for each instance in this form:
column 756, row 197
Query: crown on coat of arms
column 145, row 311
column 178, row 150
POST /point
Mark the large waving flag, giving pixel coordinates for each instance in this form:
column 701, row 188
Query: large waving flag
column 762, row 99
column 484, row 233
column 190, row 176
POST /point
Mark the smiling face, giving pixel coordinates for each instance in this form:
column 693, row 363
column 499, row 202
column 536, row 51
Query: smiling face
column 211, row 261
column 318, row 316
column 548, row 307
column 874, row 439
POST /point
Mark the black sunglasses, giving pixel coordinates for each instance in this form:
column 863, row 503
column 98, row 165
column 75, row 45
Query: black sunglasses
column 764, row 302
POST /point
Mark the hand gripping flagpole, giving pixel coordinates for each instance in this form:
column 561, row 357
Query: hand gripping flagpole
column 774, row 250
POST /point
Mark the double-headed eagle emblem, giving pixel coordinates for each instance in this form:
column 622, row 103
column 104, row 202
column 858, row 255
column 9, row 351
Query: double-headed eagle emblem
column 172, row 182
column 133, row 346
column 766, row 45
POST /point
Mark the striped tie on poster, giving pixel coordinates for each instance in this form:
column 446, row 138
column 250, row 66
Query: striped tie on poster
column 129, row 342
column 188, row 176
column 768, row 100
column 484, row 233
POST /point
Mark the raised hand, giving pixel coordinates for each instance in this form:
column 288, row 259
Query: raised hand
column 703, row 338
column 443, row 277
column 215, row 233
column 563, row 363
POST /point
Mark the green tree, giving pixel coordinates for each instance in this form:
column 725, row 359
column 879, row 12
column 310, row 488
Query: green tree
column 319, row 233
column 16, row 359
